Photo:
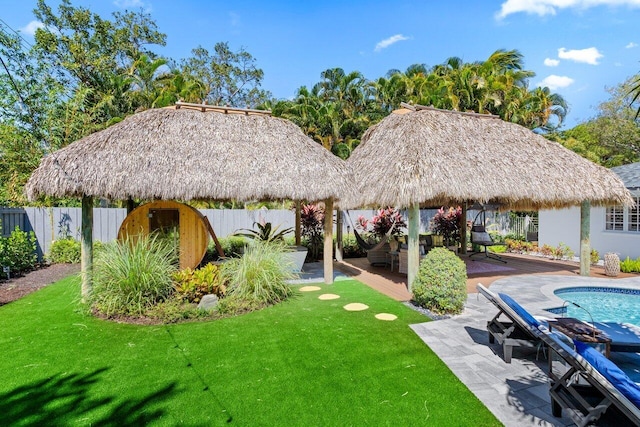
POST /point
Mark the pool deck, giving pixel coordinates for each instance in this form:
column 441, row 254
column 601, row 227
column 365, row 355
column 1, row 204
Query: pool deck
column 516, row 393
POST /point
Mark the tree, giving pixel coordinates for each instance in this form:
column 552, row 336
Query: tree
column 95, row 56
column 227, row 77
column 612, row 138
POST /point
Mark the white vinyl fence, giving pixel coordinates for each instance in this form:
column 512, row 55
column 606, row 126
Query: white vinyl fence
column 53, row 223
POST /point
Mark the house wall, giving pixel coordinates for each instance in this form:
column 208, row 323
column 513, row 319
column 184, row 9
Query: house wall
column 563, row 226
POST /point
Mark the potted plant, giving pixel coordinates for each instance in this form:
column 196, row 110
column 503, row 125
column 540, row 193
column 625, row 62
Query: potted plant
column 447, row 224
column 265, row 232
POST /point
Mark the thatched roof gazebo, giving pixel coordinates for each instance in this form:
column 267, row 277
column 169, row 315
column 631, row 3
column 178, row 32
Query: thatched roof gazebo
column 421, row 156
column 192, row 152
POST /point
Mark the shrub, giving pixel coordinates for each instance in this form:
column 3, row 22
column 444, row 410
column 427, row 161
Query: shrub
column 447, row 224
column 441, row 283
column 133, row 275
column 192, row 285
column 350, row 247
column 18, row 251
column 381, row 223
column 630, row 266
column 174, row 310
column 264, row 232
column 312, row 223
column 64, row 251
column 260, row 275
column 594, row 256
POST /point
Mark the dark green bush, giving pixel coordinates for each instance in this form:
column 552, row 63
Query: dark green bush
column 131, row 276
column 441, row 283
column 64, row 251
column 351, row 249
column 18, row 252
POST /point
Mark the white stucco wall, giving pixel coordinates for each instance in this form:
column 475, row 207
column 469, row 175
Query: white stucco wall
column 563, row 226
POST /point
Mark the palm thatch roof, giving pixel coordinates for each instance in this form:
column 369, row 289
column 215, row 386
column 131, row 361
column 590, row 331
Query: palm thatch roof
column 185, row 154
column 433, row 157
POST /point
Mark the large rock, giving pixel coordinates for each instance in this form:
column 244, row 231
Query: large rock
column 208, row 302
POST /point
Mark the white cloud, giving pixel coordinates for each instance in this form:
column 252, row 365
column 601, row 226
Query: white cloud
column 588, row 56
column 235, row 19
column 389, row 41
column 554, row 82
column 31, row 27
column 133, row 4
column 631, row 45
column 551, row 62
column 550, row 7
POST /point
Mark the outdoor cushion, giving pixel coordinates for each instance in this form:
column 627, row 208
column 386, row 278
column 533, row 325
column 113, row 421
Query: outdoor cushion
column 610, row 371
column 481, row 237
column 520, row 311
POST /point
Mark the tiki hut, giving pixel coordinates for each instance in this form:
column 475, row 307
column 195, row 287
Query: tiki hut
column 196, row 152
column 421, row 156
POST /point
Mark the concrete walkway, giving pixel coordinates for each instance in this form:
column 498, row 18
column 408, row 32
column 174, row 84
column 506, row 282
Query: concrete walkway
column 516, row 393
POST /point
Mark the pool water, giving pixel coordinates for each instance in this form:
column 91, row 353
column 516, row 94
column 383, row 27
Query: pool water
column 604, row 304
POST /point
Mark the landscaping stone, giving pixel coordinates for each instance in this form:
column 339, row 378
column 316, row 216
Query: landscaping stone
column 356, row 306
column 208, row 302
column 386, row 316
column 327, row 297
column 309, row 288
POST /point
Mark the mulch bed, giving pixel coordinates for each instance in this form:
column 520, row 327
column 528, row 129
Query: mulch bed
column 17, row 287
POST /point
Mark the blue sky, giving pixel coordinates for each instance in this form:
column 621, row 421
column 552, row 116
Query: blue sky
column 576, row 47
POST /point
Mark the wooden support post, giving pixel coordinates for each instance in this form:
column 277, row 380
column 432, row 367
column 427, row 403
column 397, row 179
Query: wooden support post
column 585, row 238
column 463, row 229
column 86, row 260
column 339, row 242
column 328, row 241
column 413, row 245
column 298, row 229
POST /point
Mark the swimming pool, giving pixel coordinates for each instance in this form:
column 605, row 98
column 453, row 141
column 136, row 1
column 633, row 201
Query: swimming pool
column 604, row 304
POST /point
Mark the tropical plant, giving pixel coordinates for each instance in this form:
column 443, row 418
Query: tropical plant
column 382, row 222
column 192, row 285
column 264, row 232
column 312, row 223
column 447, row 224
column 594, row 256
column 261, row 274
column 64, row 251
column 441, row 283
column 18, row 252
column 132, row 275
column 630, row 266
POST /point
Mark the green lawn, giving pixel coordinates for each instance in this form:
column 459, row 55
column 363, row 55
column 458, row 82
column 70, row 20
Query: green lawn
column 303, row 362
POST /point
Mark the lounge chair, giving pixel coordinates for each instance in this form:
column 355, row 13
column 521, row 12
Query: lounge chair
column 520, row 331
column 480, row 237
column 589, row 385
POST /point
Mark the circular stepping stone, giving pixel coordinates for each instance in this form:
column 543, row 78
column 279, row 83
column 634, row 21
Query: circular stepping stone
column 326, row 297
column 355, row 306
column 386, row 316
column 309, row 288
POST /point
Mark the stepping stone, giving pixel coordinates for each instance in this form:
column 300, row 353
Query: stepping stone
column 326, row 297
column 355, row 306
column 386, row 316
column 309, row 288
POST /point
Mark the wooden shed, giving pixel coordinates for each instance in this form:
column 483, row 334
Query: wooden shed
column 182, row 222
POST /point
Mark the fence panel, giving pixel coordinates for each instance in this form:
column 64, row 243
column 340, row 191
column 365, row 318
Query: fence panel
column 52, row 223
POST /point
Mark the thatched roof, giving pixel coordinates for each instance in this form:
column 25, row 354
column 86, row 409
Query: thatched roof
column 185, row 154
column 435, row 157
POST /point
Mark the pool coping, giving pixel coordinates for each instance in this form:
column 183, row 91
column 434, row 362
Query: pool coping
column 516, row 393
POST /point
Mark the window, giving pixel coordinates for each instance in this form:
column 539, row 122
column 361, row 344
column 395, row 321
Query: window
column 615, row 218
column 621, row 219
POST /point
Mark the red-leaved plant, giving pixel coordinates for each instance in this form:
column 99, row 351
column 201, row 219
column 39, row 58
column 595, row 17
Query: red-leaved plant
column 447, row 224
column 382, row 222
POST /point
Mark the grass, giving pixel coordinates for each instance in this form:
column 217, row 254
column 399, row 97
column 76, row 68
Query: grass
column 301, row 362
